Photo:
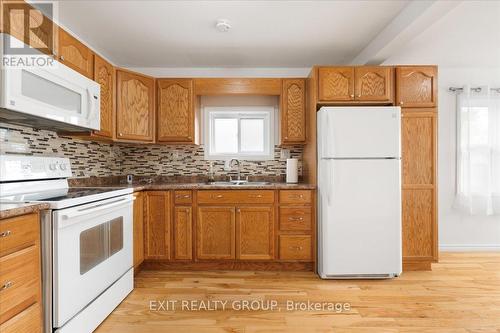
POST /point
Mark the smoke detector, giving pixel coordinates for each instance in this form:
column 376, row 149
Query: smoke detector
column 222, row 25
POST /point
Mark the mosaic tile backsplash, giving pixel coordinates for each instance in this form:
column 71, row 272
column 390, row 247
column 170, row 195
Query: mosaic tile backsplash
column 95, row 159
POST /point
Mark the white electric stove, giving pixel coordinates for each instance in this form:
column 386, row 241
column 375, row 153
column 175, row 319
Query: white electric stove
column 86, row 240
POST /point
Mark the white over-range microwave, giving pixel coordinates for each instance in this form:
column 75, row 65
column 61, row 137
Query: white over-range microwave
column 55, row 97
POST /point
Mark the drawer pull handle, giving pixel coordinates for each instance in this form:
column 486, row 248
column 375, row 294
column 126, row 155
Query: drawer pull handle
column 296, row 196
column 295, row 219
column 218, row 196
column 7, row 285
column 5, row 233
column 182, row 196
column 296, row 248
column 255, row 195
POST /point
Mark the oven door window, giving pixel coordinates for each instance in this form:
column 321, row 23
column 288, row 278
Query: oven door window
column 99, row 243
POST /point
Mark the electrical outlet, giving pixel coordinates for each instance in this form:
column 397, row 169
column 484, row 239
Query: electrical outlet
column 285, row 153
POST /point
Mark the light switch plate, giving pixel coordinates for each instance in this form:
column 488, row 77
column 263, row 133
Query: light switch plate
column 285, row 153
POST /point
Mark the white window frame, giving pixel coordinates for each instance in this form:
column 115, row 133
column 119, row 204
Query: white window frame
column 239, row 112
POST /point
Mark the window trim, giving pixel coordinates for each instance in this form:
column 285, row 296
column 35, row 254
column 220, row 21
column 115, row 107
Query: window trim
column 245, row 112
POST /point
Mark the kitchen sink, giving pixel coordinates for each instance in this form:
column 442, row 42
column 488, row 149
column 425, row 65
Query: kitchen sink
column 238, row 183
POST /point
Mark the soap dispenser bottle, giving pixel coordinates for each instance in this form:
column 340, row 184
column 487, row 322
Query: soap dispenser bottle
column 211, row 173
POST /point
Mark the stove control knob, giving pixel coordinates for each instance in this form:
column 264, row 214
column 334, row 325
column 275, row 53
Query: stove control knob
column 52, row 167
column 62, row 166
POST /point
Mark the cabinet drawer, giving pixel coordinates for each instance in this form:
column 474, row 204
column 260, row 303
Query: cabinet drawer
column 295, row 247
column 295, row 197
column 28, row 321
column 235, row 196
column 183, row 197
column 19, row 281
column 295, row 218
column 18, row 232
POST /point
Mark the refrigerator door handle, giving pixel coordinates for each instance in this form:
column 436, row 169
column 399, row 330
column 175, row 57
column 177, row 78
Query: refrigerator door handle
column 330, row 178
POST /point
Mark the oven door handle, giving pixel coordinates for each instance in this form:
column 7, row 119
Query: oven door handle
column 96, row 208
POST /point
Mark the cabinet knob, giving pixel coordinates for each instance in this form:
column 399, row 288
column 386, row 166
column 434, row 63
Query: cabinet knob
column 218, row 196
column 352, row 95
column 7, row 285
column 296, row 248
column 61, row 58
column 5, row 233
column 120, row 134
column 401, row 103
column 359, row 95
column 295, row 219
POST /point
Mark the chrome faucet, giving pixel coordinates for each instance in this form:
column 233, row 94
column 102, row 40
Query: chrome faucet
column 238, row 164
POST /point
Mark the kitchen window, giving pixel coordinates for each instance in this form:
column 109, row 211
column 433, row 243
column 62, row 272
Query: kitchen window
column 239, row 132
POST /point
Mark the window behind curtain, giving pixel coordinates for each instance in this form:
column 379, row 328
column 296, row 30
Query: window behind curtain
column 478, row 152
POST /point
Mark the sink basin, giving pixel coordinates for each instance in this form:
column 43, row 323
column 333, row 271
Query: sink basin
column 240, row 183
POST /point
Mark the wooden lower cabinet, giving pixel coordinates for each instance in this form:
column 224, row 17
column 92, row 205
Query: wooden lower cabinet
column 216, row 233
column 255, row 233
column 138, row 235
column 229, row 229
column 157, row 225
column 20, row 275
column 28, row 321
column 183, row 231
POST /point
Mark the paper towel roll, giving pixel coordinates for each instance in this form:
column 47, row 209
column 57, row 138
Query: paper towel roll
column 292, row 170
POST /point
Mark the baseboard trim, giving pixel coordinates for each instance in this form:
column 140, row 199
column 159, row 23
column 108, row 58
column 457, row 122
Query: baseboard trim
column 228, row 265
column 469, row 247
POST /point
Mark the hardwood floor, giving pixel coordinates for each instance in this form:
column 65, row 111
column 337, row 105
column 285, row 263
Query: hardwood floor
column 461, row 294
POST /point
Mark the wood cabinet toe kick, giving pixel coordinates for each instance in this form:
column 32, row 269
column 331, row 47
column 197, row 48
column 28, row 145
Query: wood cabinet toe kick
column 229, row 229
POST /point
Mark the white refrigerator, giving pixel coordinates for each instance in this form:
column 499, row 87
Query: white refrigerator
column 359, row 192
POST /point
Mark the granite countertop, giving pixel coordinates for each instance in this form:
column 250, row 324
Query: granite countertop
column 160, row 186
column 15, row 209
column 183, row 183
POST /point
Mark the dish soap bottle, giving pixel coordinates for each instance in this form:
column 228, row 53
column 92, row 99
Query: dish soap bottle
column 211, row 173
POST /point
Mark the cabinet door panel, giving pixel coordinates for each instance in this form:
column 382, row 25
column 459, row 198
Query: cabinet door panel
column 183, row 233
column 104, row 74
column 28, row 321
column 418, row 224
column 138, row 229
column 75, row 54
column 175, row 110
column 255, row 233
column 416, row 86
column 418, row 148
column 336, row 84
column 216, row 233
column 293, row 111
column 135, row 106
column 157, row 240
column 373, row 83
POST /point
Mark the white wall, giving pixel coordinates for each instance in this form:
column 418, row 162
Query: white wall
column 465, row 44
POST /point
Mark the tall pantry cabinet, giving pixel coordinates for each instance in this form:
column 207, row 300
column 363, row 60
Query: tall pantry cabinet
column 416, row 94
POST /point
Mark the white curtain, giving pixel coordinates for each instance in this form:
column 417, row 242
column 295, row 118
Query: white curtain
column 478, row 151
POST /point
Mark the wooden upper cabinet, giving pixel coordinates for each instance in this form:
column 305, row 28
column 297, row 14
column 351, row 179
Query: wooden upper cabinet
column 336, row 84
column 157, row 225
column 135, row 106
column 416, row 86
column 175, row 121
column 75, row 54
column 104, row 74
column 293, row 111
column 29, row 25
column 255, row 233
column 373, row 83
column 215, row 233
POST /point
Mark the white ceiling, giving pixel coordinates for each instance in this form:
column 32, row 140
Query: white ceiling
column 467, row 36
column 264, row 33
